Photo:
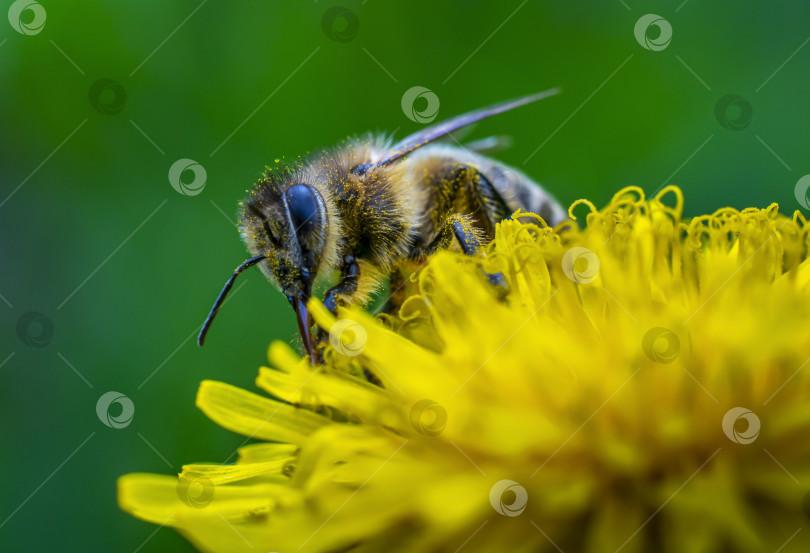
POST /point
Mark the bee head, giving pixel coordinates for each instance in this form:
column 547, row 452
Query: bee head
column 284, row 223
column 288, row 226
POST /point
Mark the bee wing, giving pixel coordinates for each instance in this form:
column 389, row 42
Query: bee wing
column 489, row 145
column 428, row 135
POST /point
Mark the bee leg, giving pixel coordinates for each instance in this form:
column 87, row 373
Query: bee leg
column 346, row 286
column 470, row 243
column 464, row 232
column 491, row 208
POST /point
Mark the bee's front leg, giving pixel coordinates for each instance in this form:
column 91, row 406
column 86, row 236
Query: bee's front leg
column 346, row 287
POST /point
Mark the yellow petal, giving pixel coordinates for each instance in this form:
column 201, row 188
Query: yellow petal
column 254, row 416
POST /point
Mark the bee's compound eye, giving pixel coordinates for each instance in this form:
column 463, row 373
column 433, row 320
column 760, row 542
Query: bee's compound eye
column 306, row 208
column 360, row 170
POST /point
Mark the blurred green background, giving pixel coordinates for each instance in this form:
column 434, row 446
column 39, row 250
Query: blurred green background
column 122, row 268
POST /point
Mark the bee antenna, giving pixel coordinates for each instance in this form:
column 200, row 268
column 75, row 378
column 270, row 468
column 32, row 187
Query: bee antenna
column 221, row 298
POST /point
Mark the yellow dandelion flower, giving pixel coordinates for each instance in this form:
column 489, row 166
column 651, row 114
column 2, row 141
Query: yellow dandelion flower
column 642, row 386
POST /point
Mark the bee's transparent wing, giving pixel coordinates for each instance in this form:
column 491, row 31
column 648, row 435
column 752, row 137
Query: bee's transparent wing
column 489, row 145
column 428, row 135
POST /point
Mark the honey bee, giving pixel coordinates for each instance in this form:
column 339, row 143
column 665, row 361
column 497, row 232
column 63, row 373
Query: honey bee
column 368, row 207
